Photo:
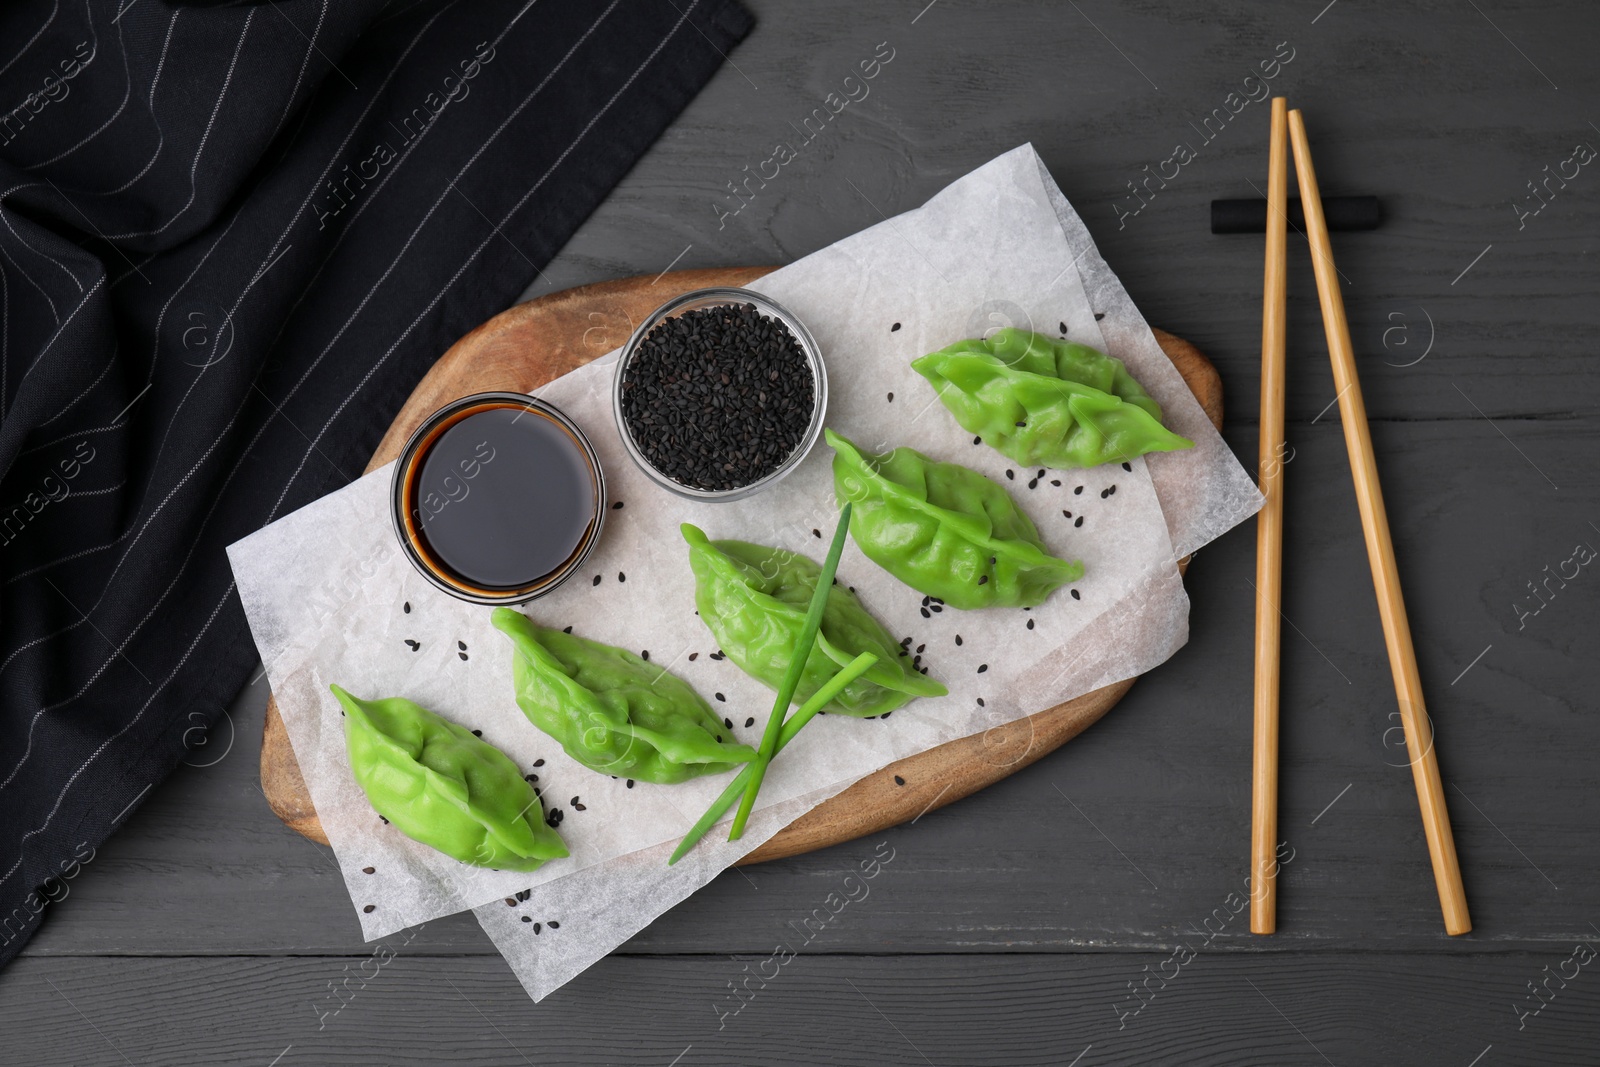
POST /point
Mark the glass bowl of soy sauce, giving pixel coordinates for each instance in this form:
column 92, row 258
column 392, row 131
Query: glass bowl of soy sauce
column 498, row 498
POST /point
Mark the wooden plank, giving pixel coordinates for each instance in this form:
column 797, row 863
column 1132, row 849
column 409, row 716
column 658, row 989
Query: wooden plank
column 204, row 867
column 398, row 1009
column 1448, row 161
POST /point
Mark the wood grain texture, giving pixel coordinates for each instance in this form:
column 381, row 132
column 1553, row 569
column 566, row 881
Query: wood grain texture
column 399, row 1010
column 1029, row 918
column 535, row 342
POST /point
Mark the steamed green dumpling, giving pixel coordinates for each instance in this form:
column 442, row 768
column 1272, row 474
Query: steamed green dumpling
column 1047, row 403
column 610, row 710
column 439, row 784
column 754, row 599
column 945, row 530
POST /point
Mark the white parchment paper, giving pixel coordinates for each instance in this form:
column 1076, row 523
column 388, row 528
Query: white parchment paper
column 330, row 598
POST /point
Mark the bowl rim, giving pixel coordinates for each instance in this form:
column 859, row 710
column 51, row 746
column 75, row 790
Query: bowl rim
column 434, row 574
column 765, row 305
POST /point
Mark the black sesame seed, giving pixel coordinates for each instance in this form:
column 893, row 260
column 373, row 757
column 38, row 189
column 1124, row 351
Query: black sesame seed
column 891, row 398
column 980, row 702
column 566, row 629
column 462, row 645
column 538, row 763
column 524, row 894
column 937, row 607
column 977, row 440
column 895, row 327
column 1033, row 483
column 413, row 644
column 579, row 807
column 717, row 398
column 886, row 714
column 1104, row 493
column 617, row 506
column 1077, row 491
column 1128, row 467
column 527, row 918
column 574, row 800
column 1030, row 624
column 982, row 667
column 751, row 721
column 905, row 643
column 718, row 654
column 477, row 733
column 463, row 655
column 899, row 780
column 630, row 783
column 983, row 579
column 816, row 532
column 1077, row 521
column 554, row 925
column 408, row 607
column 1056, row 482
column 922, row 647
column 530, row 778
column 644, row 654
column 621, row 577
column 722, row 698
column 383, row 820
column 511, row 902
column 537, row 927
column 727, row 723
column 693, row 656
column 1040, row 474
column 926, row 614
column 1011, row 475
column 553, row 819
column 369, row 909
column 1020, row 424
column 1111, row 491
column 369, row 870
column 597, row 579
column 958, row 639
column 1076, row 595
column 1067, row 513
column 1098, row 315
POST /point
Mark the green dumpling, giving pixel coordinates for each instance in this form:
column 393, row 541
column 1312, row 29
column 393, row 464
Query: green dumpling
column 439, row 784
column 1047, row 403
column 613, row 712
column 945, row 530
column 755, row 598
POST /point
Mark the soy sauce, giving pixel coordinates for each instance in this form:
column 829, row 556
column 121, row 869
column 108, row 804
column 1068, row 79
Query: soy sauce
column 503, row 498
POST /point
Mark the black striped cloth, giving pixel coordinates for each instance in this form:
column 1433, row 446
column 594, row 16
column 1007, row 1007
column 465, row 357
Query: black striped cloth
column 234, row 237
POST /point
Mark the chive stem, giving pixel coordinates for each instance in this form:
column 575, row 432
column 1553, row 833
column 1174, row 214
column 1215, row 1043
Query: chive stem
column 791, row 677
column 792, row 726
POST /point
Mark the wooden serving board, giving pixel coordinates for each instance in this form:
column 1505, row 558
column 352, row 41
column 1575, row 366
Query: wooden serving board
column 530, row 344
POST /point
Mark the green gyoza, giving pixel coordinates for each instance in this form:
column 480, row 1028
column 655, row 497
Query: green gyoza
column 613, row 712
column 439, row 784
column 1047, row 403
column 754, row 599
column 945, row 530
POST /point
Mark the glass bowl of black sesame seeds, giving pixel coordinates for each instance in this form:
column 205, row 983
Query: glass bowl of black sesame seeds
column 719, row 394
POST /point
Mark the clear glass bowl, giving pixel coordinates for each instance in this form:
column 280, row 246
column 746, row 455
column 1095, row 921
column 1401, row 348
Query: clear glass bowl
column 404, row 514
column 696, row 300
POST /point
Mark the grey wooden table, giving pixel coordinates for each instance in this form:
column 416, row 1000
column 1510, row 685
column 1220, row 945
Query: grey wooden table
column 1021, row 927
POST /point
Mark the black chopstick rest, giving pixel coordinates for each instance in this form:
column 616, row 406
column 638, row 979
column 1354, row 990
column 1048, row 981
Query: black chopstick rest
column 1343, row 213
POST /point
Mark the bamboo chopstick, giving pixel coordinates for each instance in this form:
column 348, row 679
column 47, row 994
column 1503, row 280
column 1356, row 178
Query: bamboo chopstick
column 1380, row 549
column 1269, row 538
